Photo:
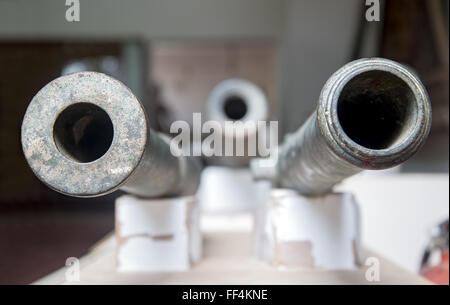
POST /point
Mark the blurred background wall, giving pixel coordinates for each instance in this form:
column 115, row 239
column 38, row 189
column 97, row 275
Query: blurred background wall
column 171, row 53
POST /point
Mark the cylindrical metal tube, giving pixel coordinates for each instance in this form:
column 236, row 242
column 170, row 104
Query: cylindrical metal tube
column 372, row 114
column 86, row 134
column 236, row 101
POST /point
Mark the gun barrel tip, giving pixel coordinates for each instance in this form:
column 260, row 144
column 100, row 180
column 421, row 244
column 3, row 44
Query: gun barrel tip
column 83, row 134
column 376, row 112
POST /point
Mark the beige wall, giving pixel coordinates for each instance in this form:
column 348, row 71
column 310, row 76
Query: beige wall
column 187, row 72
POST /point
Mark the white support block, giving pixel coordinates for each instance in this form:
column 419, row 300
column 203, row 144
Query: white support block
column 312, row 232
column 224, row 189
column 157, row 234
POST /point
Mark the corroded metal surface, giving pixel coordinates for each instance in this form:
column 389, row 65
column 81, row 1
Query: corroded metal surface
column 64, row 139
column 392, row 113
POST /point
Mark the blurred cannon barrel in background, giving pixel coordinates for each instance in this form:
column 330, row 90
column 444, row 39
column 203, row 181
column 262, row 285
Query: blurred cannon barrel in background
column 85, row 135
column 372, row 114
column 239, row 101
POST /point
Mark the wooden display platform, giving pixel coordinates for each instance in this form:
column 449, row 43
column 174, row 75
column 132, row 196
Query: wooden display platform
column 227, row 259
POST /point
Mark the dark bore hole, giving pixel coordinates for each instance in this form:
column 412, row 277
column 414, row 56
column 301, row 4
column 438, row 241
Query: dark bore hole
column 235, row 107
column 376, row 109
column 83, row 132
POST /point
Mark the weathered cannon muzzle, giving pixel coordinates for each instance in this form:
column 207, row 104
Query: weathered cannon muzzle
column 86, row 134
column 372, row 114
column 238, row 101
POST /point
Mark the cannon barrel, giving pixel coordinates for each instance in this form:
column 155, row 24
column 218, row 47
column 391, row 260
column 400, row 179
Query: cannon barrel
column 372, row 114
column 236, row 100
column 85, row 135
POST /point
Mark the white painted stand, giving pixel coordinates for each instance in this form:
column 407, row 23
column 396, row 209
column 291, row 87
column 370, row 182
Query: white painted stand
column 312, row 232
column 157, row 234
column 225, row 189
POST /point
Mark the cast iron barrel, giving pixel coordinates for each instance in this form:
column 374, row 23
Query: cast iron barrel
column 86, row 134
column 372, row 114
column 236, row 101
